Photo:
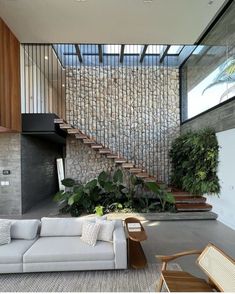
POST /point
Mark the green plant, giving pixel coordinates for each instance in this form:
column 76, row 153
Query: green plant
column 194, row 157
column 99, row 210
column 78, row 198
column 161, row 194
column 111, row 187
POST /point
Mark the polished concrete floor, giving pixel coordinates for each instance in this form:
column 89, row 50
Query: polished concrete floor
column 169, row 237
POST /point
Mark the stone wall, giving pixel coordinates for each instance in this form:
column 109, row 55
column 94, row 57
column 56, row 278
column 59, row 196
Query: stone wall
column 10, row 159
column 132, row 110
column 83, row 163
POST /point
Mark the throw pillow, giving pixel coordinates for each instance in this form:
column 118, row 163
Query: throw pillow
column 90, row 232
column 106, row 230
column 5, row 232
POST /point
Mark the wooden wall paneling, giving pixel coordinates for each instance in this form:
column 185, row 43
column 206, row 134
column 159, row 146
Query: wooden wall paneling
column 10, row 108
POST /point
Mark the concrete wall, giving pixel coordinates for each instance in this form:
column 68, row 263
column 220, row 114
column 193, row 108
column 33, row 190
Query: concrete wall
column 222, row 119
column 10, row 159
column 39, row 173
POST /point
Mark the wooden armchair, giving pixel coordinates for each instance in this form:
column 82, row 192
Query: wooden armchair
column 219, row 268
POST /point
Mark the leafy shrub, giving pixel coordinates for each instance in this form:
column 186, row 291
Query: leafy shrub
column 194, row 157
column 107, row 193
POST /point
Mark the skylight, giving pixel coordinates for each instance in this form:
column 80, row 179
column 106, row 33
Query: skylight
column 175, row 49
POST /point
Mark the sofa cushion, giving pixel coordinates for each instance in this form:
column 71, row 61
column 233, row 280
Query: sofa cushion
column 66, row 249
column 70, row 226
column 90, row 232
column 13, row 252
column 25, row 229
column 5, row 232
column 106, row 230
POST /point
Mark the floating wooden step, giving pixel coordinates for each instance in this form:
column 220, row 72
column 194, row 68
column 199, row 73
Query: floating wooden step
column 193, row 207
column 142, row 175
column 182, row 193
column 88, row 141
column 81, row 136
column 127, row 165
column 120, row 160
column 192, row 199
column 105, row 151
column 150, row 180
column 65, row 126
column 135, row 170
column 96, row 146
column 59, row 121
column 73, row 131
column 112, row 156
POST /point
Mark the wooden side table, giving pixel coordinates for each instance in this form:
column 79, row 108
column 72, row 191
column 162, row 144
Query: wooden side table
column 136, row 256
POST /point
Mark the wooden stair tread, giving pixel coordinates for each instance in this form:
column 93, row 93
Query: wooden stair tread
column 135, row 170
column 192, row 199
column 120, row 160
column 193, row 207
column 150, row 179
column 96, row 146
column 73, row 131
column 59, row 121
column 65, row 126
column 80, row 136
column 142, row 175
column 127, row 165
column 88, row 141
column 104, row 151
column 112, row 156
column 181, row 193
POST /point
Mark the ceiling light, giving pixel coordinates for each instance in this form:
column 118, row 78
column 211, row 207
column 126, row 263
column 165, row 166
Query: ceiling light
column 46, row 57
column 63, row 85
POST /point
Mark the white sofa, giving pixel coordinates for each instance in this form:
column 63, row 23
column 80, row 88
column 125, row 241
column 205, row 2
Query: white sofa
column 54, row 244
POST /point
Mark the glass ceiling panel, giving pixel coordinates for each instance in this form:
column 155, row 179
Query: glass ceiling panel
column 154, row 49
column 112, row 49
column 89, row 54
column 175, row 49
column 133, row 49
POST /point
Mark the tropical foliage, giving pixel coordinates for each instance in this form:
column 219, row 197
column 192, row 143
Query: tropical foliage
column 108, row 193
column 194, row 157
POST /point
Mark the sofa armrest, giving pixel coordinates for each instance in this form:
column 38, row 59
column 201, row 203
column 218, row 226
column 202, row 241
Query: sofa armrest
column 120, row 247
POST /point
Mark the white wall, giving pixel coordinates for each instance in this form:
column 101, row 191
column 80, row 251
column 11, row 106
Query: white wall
column 224, row 206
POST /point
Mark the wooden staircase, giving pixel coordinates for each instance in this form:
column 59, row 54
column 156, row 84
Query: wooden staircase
column 184, row 201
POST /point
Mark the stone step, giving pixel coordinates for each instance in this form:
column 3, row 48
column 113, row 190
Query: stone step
column 73, row 131
column 59, row 121
column 80, row 136
column 112, row 156
column 192, row 199
column 88, row 141
column 120, row 160
column 193, row 207
column 105, row 151
column 65, row 126
column 142, row 175
column 127, row 165
column 135, row 170
column 96, row 146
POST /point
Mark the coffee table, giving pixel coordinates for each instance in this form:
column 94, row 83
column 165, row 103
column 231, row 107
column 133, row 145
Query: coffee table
column 136, row 256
